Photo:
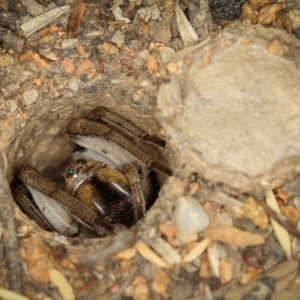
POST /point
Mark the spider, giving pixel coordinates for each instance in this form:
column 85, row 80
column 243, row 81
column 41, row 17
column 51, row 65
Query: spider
column 110, row 182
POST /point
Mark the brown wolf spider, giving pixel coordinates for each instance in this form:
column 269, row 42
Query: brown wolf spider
column 110, row 182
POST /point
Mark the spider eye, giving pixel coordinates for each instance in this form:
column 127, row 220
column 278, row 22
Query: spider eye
column 70, row 171
column 80, row 161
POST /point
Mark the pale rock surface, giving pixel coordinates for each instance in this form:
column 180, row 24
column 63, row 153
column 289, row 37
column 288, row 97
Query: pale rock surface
column 232, row 109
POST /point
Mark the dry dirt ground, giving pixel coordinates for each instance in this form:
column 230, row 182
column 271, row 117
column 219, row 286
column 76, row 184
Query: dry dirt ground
column 228, row 106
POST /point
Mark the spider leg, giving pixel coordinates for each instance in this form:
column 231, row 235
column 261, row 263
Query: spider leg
column 80, row 130
column 27, row 204
column 103, row 114
column 138, row 198
column 51, row 196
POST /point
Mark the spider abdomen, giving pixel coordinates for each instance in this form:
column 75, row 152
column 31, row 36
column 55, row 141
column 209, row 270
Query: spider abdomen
column 108, row 193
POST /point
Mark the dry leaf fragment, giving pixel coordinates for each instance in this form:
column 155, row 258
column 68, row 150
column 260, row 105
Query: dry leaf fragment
column 196, row 251
column 85, row 67
column 226, row 271
column 118, row 14
column 42, row 20
column 281, row 20
column 166, row 251
column 68, row 66
column 281, row 233
column 214, row 260
column 81, row 49
column 291, row 213
column 76, row 16
column 269, row 13
column 41, row 63
column 186, row 30
column 39, row 81
column 25, row 57
column 161, row 281
column 252, row 273
column 50, row 55
column 125, row 254
column 64, row 287
column 45, row 31
column 249, row 13
column 152, row 64
column 168, row 230
column 150, row 255
column 234, row 236
column 10, row 295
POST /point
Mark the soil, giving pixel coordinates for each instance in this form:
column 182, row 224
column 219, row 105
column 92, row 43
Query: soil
column 48, row 79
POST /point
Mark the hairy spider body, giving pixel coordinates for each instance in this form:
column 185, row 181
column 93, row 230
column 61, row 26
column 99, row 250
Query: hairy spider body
column 109, row 183
column 107, row 191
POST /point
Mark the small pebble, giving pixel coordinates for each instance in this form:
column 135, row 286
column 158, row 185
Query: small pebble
column 73, row 84
column 149, row 13
column 33, row 7
column 13, row 106
column 6, row 60
column 182, row 290
column 190, row 268
column 51, row 5
column 226, row 9
column 143, row 54
column 160, row 31
column 118, row 37
column 167, row 54
column 189, row 215
column 136, row 97
column 69, row 43
column 30, row 96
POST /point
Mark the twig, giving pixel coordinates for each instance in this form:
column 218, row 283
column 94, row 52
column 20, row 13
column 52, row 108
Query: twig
column 124, row 285
column 284, row 223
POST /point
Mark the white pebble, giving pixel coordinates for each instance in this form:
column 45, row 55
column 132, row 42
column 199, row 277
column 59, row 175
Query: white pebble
column 189, row 215
column 73, row 84
column 69, row 43
column 30, row 96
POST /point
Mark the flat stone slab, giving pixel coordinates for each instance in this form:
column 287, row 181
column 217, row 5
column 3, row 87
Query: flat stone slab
column 231, row 108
